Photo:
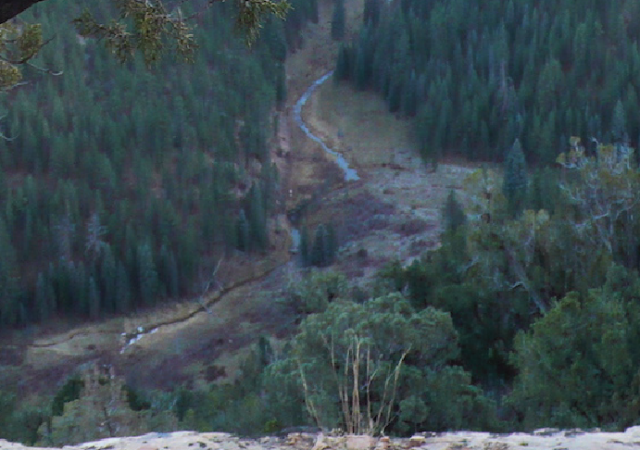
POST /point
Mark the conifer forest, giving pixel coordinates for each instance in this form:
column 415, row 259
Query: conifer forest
column 504, row 296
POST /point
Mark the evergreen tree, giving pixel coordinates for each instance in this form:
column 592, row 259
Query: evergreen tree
column 338, row 21
column 360, row 70
column 619, row 124
column 147, row 275
column 243, row 231
column 452, row 214
column 45, row 298
column 332, row 244
column 108, row 280
column 169, row 273
column 281, row 85
column 305, row 257
column 317, row 255
column 324, row 246
column 585, row 342
column 122, row 289
column 257, row 218
column 371, row 12
column 343, row 64
column 79, row 287
column 94, row 299
column 313, row 5
column 515, row 183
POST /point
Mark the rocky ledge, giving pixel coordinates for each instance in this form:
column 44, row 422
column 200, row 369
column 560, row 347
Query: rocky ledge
column 540, row 439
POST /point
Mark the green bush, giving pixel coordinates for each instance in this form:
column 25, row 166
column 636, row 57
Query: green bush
column 578, row 365
column 402, row 361
column 316, row 291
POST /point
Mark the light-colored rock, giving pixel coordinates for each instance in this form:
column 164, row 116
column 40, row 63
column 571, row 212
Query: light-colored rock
column 301, row 440
column 541, row 440
column 384, row 443
column 360, row 442
column 321, row 443
column 417, row 441
column 148, row 447
column 546, row 431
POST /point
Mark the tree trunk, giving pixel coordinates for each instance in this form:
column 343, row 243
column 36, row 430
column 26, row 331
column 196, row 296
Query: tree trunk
column 11, row 8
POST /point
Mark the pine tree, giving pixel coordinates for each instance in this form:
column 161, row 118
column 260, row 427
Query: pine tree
column 257, row 218
column 360, row 70
column 343, row 64
column 273, row 36
column 317, row 256
column 94, row 299
column 313, row 5
column 45, row 297
column 305, row 257
column 122, row 289
column 169, row 273
column 331, row 244
column 281, row 85
column 338, row 21
column 147, row 275
column 243, row 232
column 619, row 124
column 108, row 280
column 79, row 287
column 453, row 215
column 324, row 246
column 371, row 12
column 514, row 185
column 94, row 244
column 409, row 102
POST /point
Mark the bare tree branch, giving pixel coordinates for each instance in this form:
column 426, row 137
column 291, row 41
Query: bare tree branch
column 11, row 8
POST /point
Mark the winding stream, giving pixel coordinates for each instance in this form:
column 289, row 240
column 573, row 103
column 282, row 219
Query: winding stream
column 350, row 174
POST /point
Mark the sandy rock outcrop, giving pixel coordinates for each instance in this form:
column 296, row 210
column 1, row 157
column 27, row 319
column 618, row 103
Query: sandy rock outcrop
column 545, row 439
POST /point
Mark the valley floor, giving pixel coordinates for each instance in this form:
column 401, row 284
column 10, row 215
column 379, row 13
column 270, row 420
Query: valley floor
column 391, row 212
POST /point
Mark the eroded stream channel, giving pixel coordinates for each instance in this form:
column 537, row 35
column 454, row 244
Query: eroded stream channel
column 350, row 174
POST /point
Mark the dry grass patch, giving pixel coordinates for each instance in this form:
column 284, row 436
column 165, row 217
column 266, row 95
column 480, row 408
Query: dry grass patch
column 358, row 124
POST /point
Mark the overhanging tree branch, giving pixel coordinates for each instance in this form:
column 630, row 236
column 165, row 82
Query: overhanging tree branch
column 11, row 8
column 147, row 27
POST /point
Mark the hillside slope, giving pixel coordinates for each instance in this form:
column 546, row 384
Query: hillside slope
column 186, row 344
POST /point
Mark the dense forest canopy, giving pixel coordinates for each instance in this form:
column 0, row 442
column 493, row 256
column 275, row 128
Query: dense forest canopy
column 478, row 74
column 104, row 213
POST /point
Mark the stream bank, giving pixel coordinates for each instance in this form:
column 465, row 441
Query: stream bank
column 350, row 174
